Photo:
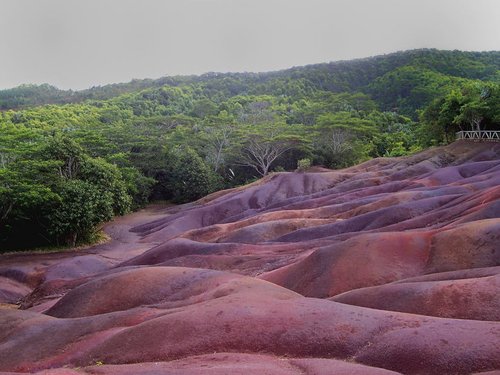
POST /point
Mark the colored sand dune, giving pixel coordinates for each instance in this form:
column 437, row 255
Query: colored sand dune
column 391, row 266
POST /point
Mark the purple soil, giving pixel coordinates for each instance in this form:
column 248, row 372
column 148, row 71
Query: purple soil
column 225, row 312
column 468, row 298
column 11, row 290
column 391, row 265
column 32, row 270
column 230, row 363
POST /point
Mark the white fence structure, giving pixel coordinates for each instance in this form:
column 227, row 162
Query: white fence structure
column 486, row 135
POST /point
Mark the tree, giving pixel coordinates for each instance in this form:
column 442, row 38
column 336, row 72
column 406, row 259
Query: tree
column 24, row 203
column 108, row 179
column 187, row 177
column 138, row 186
column 67, row 152
column 82, row 207
column 336, row 141
column 480, row 105
column 261, row 144
column 57, row 194
column 203, row 108
column 342, row 138
column 218, row 136
column 475, row 106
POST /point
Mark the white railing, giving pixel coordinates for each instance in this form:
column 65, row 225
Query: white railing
column 487, row 135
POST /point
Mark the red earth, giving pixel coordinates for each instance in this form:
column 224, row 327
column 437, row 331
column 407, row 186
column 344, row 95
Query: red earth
column 391, row 266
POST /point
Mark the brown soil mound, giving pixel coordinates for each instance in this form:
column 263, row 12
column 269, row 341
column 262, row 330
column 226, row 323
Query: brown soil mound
column 195, row 312
column 462, row 297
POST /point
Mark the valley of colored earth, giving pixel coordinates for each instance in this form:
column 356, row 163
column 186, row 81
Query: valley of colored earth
column 391, row 266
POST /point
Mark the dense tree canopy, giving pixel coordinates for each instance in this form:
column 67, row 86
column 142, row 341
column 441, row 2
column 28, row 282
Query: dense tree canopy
column 69, row 161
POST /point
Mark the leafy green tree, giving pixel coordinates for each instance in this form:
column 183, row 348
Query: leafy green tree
column 108, row 178
column 189, row 178
column 67, row 152
column 480, row 106
column 24, row 204
column 203, row 108
column 138, row 186
column 473, row 107
column 57, row 194
column 437, row 119
column 341, row 138
column 82, row 207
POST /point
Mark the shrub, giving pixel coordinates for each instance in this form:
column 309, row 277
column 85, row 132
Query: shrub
column 303, row 164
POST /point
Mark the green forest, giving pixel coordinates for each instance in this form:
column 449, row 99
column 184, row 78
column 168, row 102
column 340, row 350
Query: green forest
column 72, row 160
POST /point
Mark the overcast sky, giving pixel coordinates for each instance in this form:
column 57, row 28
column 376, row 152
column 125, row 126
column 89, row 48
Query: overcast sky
column 79, row 44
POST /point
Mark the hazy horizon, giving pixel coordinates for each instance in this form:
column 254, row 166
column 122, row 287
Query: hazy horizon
column 76, row 45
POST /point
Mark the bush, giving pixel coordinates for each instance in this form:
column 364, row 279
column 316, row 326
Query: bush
column 303, row 164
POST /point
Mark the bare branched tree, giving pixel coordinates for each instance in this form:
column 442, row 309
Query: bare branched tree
column 260, row 155
column 219, row 140
column 260, row 149
column 337, row 141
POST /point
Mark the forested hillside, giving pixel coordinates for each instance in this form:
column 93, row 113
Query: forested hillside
column 70, row 160
column 404, row 70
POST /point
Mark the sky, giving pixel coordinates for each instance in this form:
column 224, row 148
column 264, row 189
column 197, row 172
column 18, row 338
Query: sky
column 76, row 44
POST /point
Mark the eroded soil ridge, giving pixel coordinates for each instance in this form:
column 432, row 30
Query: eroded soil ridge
column 391, row 266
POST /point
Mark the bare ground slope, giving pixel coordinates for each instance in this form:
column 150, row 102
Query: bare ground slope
column 391, row 266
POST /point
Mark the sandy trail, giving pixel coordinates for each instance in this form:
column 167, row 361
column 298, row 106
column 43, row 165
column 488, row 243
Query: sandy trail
column 28, row 270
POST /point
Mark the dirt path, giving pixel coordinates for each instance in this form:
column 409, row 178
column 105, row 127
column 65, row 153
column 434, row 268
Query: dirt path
column 22, row 272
